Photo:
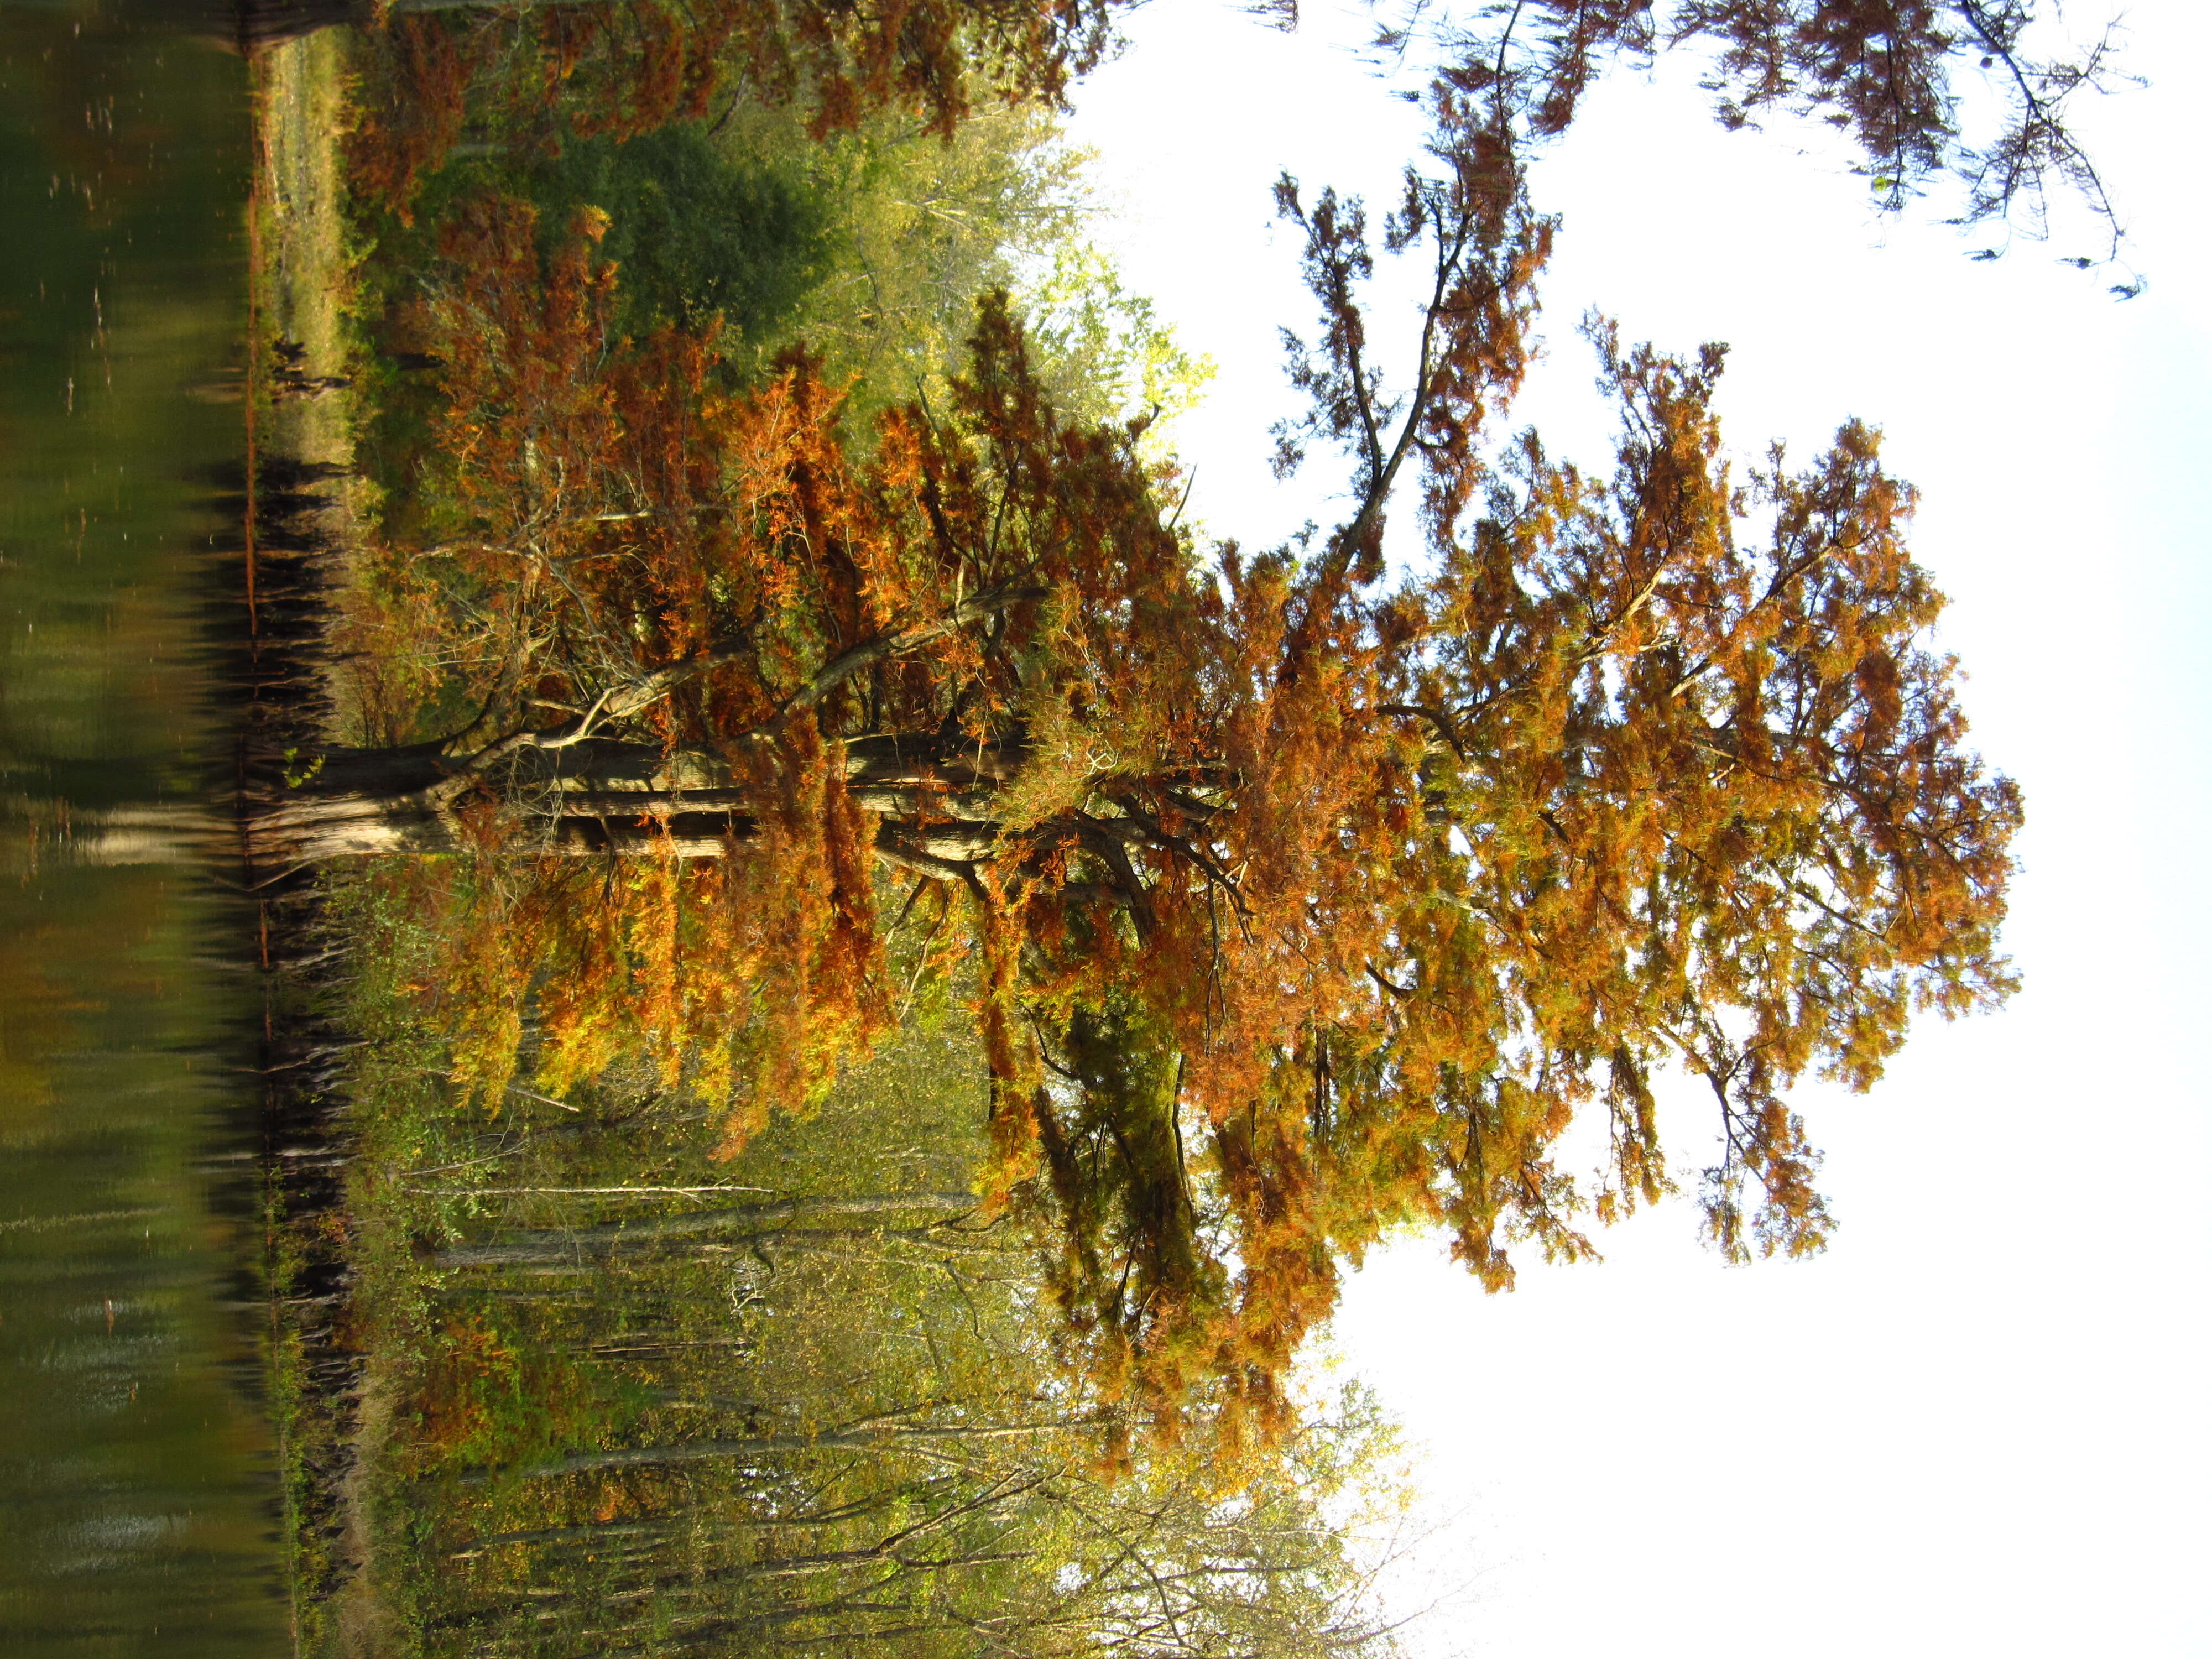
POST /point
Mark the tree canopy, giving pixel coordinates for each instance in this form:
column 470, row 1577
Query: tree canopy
column 1313, row 891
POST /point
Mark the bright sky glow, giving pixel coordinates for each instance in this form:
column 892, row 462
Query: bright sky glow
column 1979, row 1425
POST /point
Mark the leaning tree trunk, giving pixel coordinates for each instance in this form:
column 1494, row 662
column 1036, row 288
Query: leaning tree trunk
column 596, row 798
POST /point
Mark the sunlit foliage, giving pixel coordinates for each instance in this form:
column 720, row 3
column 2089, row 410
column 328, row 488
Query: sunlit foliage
column 1308, row 897
column 803, row 1397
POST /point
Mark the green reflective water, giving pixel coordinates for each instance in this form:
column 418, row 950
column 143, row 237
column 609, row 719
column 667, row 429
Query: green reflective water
column 136, row 1477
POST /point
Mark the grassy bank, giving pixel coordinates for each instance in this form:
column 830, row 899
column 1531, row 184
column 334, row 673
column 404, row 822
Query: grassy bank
column 323, row 1387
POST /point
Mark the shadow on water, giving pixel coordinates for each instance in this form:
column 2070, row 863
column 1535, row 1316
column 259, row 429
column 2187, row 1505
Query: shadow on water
column 153, row 1068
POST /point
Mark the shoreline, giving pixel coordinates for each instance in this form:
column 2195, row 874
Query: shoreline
column 300, row 415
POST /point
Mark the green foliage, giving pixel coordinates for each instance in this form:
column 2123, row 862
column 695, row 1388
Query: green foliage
column 700, row 228
column 1114, row 1149
column 490, row 1397
column 844, row 1434
column 871, row 247
column 1102, row 351
column 920, row 225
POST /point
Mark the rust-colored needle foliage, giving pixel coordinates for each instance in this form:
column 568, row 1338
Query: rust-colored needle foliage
column 1308, row 898
column 624, row 67
column 1886, row 72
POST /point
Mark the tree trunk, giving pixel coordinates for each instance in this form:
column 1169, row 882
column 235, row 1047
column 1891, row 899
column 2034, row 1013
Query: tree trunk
column 267, row 23
column 748, row 1221
column 700, row 1451
column 590, row 799
column 246, row 24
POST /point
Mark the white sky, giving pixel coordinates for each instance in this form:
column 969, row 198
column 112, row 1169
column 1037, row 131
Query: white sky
column 1979, row 1425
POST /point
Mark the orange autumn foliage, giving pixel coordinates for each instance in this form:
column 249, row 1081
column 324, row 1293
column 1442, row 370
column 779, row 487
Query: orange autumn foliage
column 1310, row 898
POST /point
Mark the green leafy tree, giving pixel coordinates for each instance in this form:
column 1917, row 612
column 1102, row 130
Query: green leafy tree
column 697, row 230
column 1102, row 352
column 843, row 1431
column 919, row 224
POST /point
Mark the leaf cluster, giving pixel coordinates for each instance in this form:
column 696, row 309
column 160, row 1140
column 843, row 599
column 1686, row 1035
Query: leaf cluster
column 1887, row 73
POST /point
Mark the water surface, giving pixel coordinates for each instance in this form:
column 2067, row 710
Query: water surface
column 136, row 1475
